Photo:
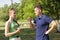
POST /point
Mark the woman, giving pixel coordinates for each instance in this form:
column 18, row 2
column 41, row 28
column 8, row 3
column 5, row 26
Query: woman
column 11, row 27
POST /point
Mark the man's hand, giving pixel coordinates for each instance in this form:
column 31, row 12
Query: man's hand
column 32, row 26
column 29, row 19
column 46, row 32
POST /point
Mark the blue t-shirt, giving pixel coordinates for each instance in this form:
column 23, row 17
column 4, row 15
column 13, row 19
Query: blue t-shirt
column 42, row 25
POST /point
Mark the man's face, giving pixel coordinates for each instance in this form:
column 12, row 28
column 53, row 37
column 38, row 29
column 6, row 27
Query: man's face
column 37, row 11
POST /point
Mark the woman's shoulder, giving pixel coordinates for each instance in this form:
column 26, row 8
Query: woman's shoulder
column 7, row 22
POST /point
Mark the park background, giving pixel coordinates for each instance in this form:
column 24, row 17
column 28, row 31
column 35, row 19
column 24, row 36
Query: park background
column 24, row 9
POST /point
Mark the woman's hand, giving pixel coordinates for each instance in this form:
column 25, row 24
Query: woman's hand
column 18, row 29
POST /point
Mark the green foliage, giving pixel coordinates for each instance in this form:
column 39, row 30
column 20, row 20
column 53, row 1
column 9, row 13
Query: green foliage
column 3, row 12
column 26, row 8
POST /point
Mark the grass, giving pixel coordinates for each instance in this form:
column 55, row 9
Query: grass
column 26, row 33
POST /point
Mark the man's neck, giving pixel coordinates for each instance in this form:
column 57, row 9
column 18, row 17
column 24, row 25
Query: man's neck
column 40, row 14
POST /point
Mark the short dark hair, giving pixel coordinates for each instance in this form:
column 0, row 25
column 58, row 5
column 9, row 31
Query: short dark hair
column 38, row 6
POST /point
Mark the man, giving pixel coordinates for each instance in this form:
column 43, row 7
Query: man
column 42, row 24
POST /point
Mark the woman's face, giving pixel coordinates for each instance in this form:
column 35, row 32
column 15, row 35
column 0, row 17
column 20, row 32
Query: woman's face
column 12, row 14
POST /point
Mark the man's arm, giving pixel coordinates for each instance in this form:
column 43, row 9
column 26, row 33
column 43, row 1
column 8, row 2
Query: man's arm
column 53, row 26
column 32, row 25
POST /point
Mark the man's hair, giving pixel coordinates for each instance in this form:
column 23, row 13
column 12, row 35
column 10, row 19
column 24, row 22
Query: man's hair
column 38, row 6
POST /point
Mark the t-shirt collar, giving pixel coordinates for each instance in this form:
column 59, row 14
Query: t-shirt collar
column 40, row 16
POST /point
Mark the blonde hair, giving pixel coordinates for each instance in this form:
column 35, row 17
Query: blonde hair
column 12, row 9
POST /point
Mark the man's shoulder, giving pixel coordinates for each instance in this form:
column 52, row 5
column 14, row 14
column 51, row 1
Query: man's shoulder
column 45, row 16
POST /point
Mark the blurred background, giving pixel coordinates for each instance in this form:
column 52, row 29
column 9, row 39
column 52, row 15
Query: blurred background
column 24, row 9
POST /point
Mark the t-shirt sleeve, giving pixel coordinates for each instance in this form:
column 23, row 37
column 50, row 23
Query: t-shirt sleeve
column 49, row 20
column 35, row 21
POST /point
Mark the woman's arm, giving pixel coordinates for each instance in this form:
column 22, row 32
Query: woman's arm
column 7, row 34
